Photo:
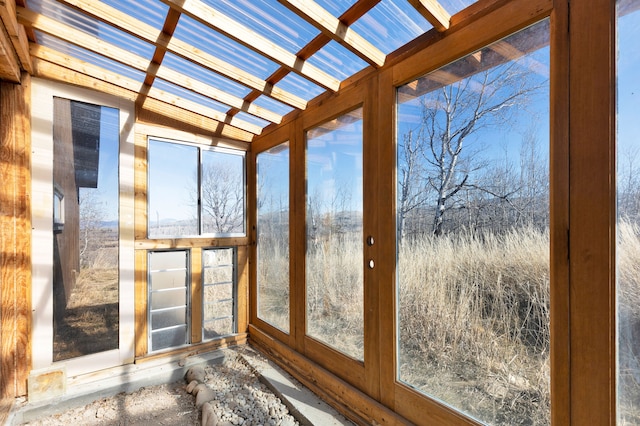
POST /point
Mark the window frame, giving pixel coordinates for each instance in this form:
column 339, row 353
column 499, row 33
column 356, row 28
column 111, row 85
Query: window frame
column 200, row 222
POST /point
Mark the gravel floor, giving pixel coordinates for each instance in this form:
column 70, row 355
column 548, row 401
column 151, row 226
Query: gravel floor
column 237, row 398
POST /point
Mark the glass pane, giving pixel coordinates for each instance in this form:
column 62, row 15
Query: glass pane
column 473, row 232
column 273, row 236
column 628, row 185
column 334, row 258
column 168, row 287
column 168, row 338
column 172, row 189
column 218, row 292
column 223, row 203
column 168, row 299
column 86, row 226
column 217, row 328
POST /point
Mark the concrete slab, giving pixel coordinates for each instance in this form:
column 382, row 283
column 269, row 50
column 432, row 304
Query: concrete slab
column 303, row 404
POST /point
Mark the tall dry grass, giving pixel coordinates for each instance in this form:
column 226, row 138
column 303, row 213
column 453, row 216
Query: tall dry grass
column 628, row 273
column 473, row 318
column 473, row 322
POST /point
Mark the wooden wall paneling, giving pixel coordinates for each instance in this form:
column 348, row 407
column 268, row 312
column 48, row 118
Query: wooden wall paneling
column 140, row 186
column 199, row 242
column 243, row 290
column 196, row 295
column 141, row 303
column 371, row 217
column 15, row 237
column 592, row 211
column 386, row 236
column 559, row 214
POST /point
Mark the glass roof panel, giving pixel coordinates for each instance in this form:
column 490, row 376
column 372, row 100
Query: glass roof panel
column 151, row 12
column 269, row 19
column 391, row 24
column 337, row 61
column 455, row 6
column 299, row 86
column 92, row 27
column 203, row 75
column 336, row 7
column 273, row 105
column 252, row 119
column 189, row 95
column 215, row 44
column 87, row 56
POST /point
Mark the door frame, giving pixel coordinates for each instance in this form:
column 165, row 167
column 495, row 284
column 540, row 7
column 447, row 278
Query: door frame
column 43, row 93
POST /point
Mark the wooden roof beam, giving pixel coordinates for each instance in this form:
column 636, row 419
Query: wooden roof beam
column 16, row 33
column 331, row 26
column 433, row 12
column 351, row 15
column 108, row 50
column 126, row 23
column 57, row 66
column 9, row 65
column 216, row 20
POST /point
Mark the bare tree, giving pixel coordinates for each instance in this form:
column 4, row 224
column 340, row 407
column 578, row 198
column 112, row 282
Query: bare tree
column 450, row 118
column 222, row 198
column 91, row 216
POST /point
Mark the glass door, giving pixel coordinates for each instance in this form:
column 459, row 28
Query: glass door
column 334, row 235
column 83, row 257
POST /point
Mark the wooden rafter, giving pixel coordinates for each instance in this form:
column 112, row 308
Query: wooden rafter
column 216, row 20
column 319, row 17
column 16, row 33
column 351, row 15
column 433, row 12
column 54, row 65
column 108, row 50
column 137, row 28
column 9, row 65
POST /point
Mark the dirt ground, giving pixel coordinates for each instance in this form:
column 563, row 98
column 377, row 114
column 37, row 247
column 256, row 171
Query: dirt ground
column 167, row 404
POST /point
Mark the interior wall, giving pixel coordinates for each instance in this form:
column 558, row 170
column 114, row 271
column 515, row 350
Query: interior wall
column 15, row 237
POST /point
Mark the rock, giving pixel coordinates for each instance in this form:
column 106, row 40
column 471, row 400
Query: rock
column 191, row 386
column 209, row 417
column 204, row 395
column 198, row 388
column 195, row 373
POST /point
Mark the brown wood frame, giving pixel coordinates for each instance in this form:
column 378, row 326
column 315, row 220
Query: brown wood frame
column 582, row 294
column 143, row 244
column 15, row 239
column 582, row 216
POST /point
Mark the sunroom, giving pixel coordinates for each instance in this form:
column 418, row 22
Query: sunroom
column 426, row 211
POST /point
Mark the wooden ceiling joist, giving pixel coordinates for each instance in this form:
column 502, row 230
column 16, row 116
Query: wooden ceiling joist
column 433, row 12
column 217, row 21
column 213, row 93
column 108, row 50
column 149, row 34
column 9, row 65
column 355, row 12
column 319, row 17
column 53, row 65
column 16, row 32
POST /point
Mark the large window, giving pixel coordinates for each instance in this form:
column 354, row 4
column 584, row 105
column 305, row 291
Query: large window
column 334, row 256
column 628, row 187
column 195, row 190
column 473, row 232
column 85, row 229
column 273, row 236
